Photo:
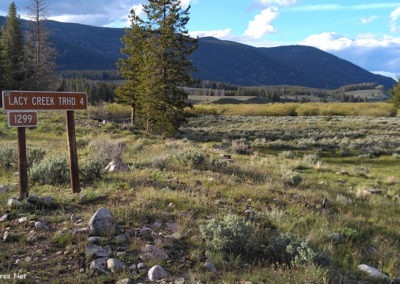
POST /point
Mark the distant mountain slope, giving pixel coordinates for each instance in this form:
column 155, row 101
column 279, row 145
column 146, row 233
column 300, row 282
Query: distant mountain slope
column 94, row 48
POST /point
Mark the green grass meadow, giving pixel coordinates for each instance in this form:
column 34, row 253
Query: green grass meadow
column 277, row 193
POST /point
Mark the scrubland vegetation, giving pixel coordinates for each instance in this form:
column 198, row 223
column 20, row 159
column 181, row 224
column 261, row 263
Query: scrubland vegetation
column 285, row 199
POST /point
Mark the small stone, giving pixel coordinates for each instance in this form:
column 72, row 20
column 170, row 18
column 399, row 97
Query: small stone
column 157, row 273
column 5, row 236
column 74, row 218
column 41, row 226
column 80, row 231
column 18, row 261
column 209, row 266
column 22, row 220
column 102, row 223
column 115, row 265
column 121, row 254
column 28, row 259
column 94, row 251
column 96, row 240
column 172, row 227
column 117, row 166
column 99, row 265
column 4, row 218
column 146, row 234
column 153, row 253
column 141, row 266
column 372, row 271
column 133, row 267
column 156, row 226
column 14, row 203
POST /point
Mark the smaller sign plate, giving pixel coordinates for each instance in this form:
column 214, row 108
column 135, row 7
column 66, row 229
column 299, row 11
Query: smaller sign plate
column 22, row 118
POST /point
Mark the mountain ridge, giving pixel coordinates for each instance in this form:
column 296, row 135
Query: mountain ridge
column 83, row 47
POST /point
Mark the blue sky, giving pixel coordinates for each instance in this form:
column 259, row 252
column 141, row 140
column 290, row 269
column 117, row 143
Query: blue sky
column 366, row 32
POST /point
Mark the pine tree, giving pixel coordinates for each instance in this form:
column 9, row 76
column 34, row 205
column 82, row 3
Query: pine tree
column 2, row 73
column 40, row 55
column 395, row 93
column 12, row 51
column 159, row 62
column 130, row 66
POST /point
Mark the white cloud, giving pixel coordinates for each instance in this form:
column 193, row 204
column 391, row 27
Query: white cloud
column 368, row 20
column 330, row 41
column 337, row 7
column 222, row 34
column 394, row 17
column 327, row 41
column 278, row 2
column 262, row 23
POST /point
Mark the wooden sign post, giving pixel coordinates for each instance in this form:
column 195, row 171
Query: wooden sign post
column 22, row 106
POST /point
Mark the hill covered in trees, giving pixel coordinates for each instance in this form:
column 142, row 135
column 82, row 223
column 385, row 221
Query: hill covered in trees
column 82, row 47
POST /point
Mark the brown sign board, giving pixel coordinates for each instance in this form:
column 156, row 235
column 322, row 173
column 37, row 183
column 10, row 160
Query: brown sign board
column 22, row 118
column 40, row 100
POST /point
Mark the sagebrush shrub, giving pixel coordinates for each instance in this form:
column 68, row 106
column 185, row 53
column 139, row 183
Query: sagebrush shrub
column 291, row 178
column 105, row 150
column 91, row 171
column 192, row 158
column 230, row 235
column 52, row 170
column 241, row 147
column 8, row 158
column 34, row 156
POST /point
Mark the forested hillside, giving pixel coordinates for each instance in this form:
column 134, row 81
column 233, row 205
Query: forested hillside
column 95, row 48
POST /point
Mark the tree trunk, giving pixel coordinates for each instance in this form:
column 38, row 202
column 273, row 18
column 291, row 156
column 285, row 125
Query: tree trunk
column 133, row 116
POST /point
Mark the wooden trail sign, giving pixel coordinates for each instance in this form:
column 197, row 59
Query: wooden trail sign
column 21, row 108
column 39, row 100
column 22, row 118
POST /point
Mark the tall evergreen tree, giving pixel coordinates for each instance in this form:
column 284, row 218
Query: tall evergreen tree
column 40, row 55
column 2, row 73
column 130, row 66
column 12, row 51
column 159, row 62
column 395, row 93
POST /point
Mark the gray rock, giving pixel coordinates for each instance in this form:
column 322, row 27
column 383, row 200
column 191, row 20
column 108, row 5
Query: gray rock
column 141, row 266
column 156, row 226
column 14, row 203
column 23, row 220
column 153, row 253
column 102, row 223
column 4, row 218
column 156, row 273
column 41, row 226
column 372, row 271
column 117, row 166
column 209, row 266
column 172, row 227
column 96, row 240
column 146, row 234
column 45, row 202
column 80, row 231
column 5, row 236
column 99, row 264
column 115, row 265
column 94, row 251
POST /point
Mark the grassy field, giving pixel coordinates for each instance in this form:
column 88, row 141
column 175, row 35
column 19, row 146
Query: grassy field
column 284, row 199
